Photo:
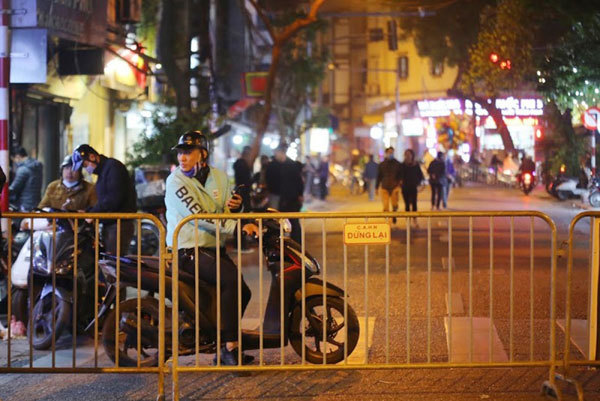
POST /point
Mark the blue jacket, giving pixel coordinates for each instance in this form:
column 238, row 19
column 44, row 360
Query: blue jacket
column 114, row 188
column 186, row 196
column 26, row 188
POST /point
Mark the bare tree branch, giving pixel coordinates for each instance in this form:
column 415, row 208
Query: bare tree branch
column 278, row 41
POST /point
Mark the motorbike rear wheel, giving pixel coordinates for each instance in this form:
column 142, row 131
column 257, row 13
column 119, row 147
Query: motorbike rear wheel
column 336, row 327
column 41, row 332
column 128, row 352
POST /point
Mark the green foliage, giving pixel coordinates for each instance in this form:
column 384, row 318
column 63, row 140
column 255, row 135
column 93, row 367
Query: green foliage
column 569, row 73
column 300, row 72
column 447, row 35
column 146, row 30
column 505, row 32
column 561, row 144
column 154, row 147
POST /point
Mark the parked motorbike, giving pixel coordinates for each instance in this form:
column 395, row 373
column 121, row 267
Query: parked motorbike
column 526, row 181
column 53, row 263
column 316, row 313
column 19, row 273
column 150, row 189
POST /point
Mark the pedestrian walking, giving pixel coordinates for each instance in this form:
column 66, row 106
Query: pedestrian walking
column 437, row 178
column 194, row 187
column 26, row 188
column 310, row 170
column 243, row 181
column 370, row 176
column 288, row 174
column 389, row 175
column 412, row 176
column 323, row 173
column 115, row 192
column 450, row 178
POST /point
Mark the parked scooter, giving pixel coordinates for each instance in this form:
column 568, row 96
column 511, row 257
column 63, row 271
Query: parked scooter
column 53, row 263
column 315, row 313
column 19, row 272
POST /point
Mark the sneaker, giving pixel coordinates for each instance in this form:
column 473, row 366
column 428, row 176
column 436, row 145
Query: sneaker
column 229, row 358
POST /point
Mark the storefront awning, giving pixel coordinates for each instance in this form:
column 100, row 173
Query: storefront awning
column 372, row 119
column 240, row 106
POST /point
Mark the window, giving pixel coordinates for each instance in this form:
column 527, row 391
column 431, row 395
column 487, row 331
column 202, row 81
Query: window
column 403, row 67
column 375, row 35
column 437, row 69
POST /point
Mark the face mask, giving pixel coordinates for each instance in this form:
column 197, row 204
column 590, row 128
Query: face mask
column 69, row 184
column 90, row 169
column 191, row 173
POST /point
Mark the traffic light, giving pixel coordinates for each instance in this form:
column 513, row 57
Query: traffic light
column 503, row 64
column 392, row 35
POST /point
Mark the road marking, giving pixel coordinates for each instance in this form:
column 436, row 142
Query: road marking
column 358, row 355
column 481, row 340
column 579, row 334
column 457, row 303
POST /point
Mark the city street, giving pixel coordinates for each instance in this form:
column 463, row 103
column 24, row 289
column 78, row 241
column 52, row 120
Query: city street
column 436, row 331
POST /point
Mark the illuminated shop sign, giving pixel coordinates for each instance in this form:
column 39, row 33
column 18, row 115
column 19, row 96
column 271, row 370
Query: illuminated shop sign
column 509, row 106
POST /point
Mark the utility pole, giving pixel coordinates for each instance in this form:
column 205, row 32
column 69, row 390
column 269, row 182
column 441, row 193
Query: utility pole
column 4, row 108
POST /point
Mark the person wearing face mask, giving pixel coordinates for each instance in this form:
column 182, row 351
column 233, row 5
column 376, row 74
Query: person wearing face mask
column 195, row 188
column 115, row 192
column 70, row 192
column 389, row 175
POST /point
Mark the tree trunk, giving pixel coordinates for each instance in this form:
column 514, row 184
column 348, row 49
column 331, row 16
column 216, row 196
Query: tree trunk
column 494, row 112
column 166, row 40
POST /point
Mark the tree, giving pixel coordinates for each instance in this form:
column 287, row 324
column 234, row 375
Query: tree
column 301, row 71
column 463, row 33
column 279, row 37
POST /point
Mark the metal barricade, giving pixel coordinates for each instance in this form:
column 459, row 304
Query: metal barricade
column 68, row 255
column 383, row 301
column 580, row 320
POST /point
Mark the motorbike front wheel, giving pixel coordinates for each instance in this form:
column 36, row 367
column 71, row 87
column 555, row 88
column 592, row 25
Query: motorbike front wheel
column 595, row 199
column 42, row 321
column 335, row 335
column 128, row 345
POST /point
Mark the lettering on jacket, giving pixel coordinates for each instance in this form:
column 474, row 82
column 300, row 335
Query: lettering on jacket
column 192, row 205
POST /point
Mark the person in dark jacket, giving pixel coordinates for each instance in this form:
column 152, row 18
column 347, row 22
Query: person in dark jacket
column 323, row 174
column 242, row 171
column 26, row 188
column 115, row 193
column 291, row 186
column 389, row 175
column 370, row 176
column 411, row 179
column 437, row 179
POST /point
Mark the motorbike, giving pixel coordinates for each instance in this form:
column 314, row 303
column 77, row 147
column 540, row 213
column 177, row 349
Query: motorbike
column 150, row 190
column 526, row 181
column 53, row 262
column 316, row 314
column 19, row 273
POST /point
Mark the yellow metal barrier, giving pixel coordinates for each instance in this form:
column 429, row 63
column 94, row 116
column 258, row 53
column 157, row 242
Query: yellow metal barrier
column 316, row 304
column 399, row 280
column 59, row 309
column 589, row 276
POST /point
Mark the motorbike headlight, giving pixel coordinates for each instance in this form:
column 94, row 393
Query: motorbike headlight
column 287, row 226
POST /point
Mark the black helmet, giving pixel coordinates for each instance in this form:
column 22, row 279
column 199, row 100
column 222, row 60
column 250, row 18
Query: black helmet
column 81, row 153
column 67, row 162
column 192, row 140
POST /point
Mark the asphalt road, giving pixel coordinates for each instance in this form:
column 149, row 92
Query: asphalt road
column 405, row 326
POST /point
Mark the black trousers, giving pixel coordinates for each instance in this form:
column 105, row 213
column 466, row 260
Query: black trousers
column 410, row 198
column 436, row 194
column 207, row 271
column 109, row 236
